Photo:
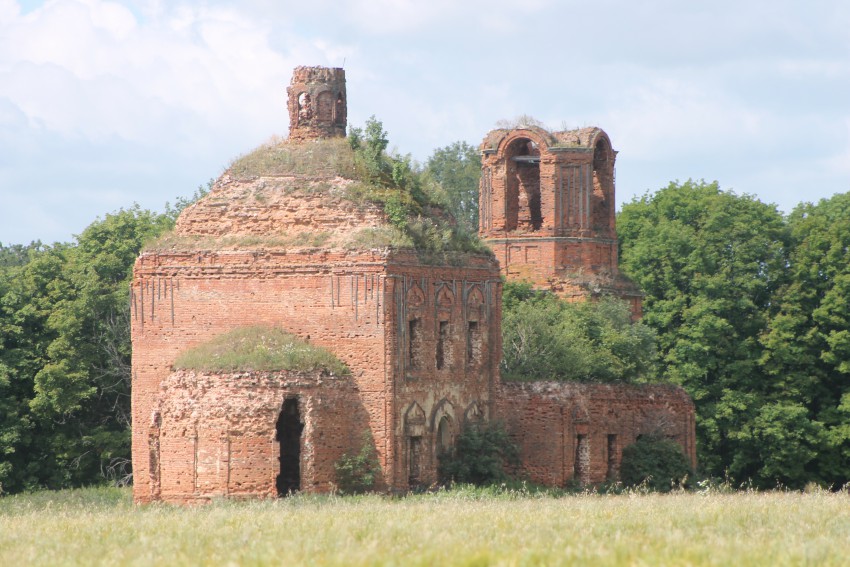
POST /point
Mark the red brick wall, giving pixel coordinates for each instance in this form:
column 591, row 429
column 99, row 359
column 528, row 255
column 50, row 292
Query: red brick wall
column 444, row 300
column 180, row 300
column 215, row 435
column 555, row 424
column 354, row 304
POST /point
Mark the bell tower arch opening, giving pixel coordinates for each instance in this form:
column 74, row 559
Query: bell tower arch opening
column 602, row 208
column 522, row 186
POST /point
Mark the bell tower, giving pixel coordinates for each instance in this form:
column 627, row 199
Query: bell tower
column 546, row 208
column 317, row 103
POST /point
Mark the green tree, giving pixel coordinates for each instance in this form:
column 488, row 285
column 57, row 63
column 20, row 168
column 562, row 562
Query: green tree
column 456, row 169
column 17, row 254
column 545, row 338
column 27, row 296
column 711, row 263
column 654, row 461
column 807, row 345
column 64, row 361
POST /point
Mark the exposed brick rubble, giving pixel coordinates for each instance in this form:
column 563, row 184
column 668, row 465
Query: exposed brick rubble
column 283, row 206
column 547, row 211
column 423, row 341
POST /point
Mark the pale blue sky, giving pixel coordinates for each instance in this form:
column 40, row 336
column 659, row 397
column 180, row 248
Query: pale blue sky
column 106, row 104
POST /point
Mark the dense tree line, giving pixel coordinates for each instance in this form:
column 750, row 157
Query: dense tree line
column 752, row 312
column 65, row 354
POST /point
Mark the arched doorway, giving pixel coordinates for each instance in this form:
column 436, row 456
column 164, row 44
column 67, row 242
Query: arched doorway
column 289, row 429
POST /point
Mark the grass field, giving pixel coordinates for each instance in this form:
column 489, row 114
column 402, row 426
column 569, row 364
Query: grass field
column 462, row 527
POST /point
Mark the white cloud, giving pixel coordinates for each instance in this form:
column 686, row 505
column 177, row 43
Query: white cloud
column 103, row 103
column 89, row 68
column 100, row 107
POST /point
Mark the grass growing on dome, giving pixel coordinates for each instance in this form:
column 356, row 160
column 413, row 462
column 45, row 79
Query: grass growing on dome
column 176, row 242
column 409, row 199
column 260, row 349
column 330, row 156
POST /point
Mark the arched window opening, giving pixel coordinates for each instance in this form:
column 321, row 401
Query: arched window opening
column 581, row 462
column 339, row 111
column 473, row 343
column 522, row 199
column 414, row 477
column 305, row 109
column 414, row 343
column 444, row 345
column 603, row 167
column 444, row 436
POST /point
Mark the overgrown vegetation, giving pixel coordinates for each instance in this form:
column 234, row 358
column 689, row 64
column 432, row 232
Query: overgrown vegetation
column 656, row 463
column 546, row 338
column 261, row 349
column 410, row 205
column 65, row 355
column 276, row 158
column 483, row 454
column 357, row 473
column 172, row 241
column 415, row 201
column 752, row 312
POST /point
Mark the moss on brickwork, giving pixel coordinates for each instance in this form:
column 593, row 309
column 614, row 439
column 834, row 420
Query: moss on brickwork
column 176, row 242
column 262, row 349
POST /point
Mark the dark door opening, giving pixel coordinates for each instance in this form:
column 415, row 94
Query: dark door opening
column 414, row 479
column 289, row 429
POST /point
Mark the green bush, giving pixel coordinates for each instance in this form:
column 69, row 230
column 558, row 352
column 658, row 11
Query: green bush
column 356, row 474
column 656, row 462
column 411, row 204
column 481, row 456
column 547, row 338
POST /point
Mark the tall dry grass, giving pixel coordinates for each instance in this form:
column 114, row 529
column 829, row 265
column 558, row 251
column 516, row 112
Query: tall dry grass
column 102, row 527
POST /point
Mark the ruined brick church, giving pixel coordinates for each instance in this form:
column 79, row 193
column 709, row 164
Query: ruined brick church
column 423, row 340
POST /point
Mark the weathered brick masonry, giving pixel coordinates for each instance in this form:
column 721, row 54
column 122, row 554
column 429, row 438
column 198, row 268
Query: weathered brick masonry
column 547, row 210
column 225, row 425
column 576, row 432
column 423, row 341
column 363, row 307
